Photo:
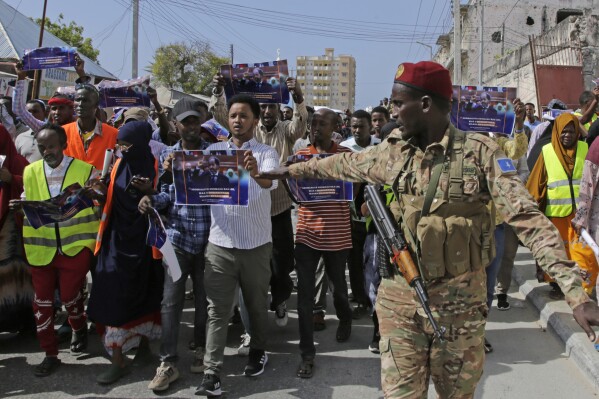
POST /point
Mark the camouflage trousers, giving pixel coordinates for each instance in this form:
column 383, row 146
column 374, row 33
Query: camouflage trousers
column 410, row 356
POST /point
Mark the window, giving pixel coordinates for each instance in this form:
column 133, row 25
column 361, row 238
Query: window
column 344, row 64
column 344, row 74
column 344, row 94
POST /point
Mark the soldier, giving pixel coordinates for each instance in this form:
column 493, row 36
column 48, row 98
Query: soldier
column 443, row 178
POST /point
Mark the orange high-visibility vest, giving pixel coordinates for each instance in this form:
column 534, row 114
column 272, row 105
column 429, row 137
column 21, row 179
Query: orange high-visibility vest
column 97, row 147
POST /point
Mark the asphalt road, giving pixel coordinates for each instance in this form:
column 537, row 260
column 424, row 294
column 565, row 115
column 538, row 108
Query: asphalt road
column 527, row 363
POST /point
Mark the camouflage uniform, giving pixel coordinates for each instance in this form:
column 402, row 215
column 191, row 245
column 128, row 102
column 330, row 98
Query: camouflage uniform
column 409, row 355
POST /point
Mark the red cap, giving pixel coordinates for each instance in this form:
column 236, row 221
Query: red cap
column 427, row 76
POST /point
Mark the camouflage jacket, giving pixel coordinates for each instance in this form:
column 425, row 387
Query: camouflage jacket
column 489, row 179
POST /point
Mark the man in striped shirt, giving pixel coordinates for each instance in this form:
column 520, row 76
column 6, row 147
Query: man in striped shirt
column 323, row 229
column 239, row 250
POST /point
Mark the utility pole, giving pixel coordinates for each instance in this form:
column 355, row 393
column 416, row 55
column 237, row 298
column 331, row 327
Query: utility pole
column 37, row 79
column 481, row 34
column 457, row 43
column 231, row 50
column 134, row 51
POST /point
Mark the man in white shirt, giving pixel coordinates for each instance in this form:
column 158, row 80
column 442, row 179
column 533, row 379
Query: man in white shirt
column 239, row 250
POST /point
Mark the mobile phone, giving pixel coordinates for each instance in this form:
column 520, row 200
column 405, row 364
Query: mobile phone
column 130, row 189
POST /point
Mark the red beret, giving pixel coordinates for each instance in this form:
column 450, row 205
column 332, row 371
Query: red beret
column 427, row 76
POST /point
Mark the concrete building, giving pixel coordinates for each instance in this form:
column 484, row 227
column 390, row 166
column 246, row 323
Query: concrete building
column 548, row 50
column 328, row 80
column 507, row 26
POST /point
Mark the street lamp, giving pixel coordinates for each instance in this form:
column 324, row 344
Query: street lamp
column 430, row 49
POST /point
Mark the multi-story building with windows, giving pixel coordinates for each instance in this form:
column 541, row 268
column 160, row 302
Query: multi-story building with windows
column 328, row 80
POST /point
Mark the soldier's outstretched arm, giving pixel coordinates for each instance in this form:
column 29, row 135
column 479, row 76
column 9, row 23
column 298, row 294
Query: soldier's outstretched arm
column 368, row 166
column 537, row 233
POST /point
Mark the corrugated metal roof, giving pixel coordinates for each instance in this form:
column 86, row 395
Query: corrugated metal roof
column 18, row 32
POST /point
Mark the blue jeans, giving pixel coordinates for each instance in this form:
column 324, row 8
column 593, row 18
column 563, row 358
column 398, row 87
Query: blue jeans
column 493, row 268
column 173, row 299
column 306, row 261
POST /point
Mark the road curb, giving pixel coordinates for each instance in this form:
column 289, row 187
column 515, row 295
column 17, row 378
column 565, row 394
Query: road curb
column 557, row 315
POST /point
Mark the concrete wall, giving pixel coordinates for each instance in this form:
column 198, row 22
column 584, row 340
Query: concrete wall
column 579, row 38
column 518, row 26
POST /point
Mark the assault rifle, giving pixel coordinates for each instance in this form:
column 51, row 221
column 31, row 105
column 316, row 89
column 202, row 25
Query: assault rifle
column 397, row 247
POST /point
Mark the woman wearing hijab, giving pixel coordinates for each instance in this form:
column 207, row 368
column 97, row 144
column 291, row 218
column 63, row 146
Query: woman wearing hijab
column 127, row 281
column 587, row 214
column 555, row 183
column 16, row 291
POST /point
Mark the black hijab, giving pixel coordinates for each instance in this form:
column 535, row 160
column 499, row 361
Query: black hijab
column 138, row 160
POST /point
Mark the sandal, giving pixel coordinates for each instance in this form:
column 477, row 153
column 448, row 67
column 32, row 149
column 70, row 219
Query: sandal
column 305, row 368
column 488, row 347
column 47, row 366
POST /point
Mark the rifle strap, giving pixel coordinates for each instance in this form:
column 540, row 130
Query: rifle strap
column 439, row 161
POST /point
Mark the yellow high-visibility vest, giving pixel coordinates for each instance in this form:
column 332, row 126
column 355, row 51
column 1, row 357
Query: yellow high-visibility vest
column 563, row 193
column 69, row 237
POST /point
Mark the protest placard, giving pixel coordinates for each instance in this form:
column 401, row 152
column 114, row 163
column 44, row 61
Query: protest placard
column 317, row 190
column 57, row 209
column 125, row 93
column 157, row 238
column 216, row 129
column 483, row 109
column 210, row 178
column 265, row 81
column 49, row 57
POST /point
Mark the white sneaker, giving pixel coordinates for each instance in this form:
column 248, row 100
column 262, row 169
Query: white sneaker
column 198, row 366
column 244, row 348
column 281, row 315
column 165, row 374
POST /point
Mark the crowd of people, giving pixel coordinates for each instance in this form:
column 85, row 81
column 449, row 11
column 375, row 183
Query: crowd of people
column 463, row 192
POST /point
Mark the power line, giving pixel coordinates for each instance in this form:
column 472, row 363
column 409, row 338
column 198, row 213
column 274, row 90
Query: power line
column 414, row 32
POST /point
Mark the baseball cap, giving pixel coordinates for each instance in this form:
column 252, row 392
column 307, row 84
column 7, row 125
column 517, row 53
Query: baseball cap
column 136, row 113
column 185, row 107
column 427, row 76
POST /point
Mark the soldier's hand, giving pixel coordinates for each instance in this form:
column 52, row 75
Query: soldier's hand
column 596, row 91
column 364, row 210
column 587, row 315
column 281, row 172
column 219, row 82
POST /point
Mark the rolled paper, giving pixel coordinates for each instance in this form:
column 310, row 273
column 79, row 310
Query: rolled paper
column 107, row 162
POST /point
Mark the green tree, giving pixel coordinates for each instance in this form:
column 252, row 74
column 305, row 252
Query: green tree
column 188, row 67
column 72, row 34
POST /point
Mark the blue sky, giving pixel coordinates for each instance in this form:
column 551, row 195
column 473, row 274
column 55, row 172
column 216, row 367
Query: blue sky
column 388, row 31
